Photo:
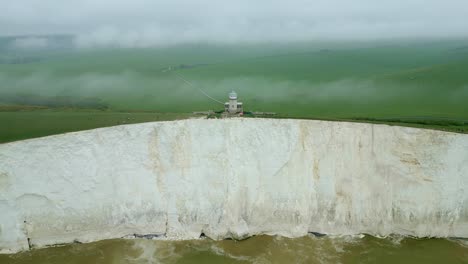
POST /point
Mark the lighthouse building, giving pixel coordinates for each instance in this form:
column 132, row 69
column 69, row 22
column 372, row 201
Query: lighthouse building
column 233, row 106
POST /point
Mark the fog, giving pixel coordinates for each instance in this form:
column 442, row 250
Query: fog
column 30, row 43
column 133, row 86
column 129, row 90
column 133, row 80
column 144, row 23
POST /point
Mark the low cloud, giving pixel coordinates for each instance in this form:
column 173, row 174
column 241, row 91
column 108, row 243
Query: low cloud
column 144, row 23
column 165, row 92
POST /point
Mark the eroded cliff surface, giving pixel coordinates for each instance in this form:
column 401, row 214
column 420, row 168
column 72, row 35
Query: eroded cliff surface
column 232, row 178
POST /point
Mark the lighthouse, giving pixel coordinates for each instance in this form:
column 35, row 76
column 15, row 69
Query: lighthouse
column 233, row 106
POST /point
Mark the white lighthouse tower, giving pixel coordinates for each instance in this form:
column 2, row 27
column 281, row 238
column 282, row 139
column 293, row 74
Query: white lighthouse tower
column 233, row 107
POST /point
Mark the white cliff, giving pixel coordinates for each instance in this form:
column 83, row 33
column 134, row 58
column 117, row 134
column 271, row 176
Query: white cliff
column 232, row 178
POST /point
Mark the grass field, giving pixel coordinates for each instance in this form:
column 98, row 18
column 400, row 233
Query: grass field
column 406, row 83
column 30, row 124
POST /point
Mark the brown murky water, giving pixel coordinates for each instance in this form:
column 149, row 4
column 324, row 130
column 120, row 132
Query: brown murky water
column 260, row 249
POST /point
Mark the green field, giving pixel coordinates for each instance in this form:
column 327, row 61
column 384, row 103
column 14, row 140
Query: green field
column 29, row 124
column 416, row 83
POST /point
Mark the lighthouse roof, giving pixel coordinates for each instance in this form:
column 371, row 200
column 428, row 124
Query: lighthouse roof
column 232, row 95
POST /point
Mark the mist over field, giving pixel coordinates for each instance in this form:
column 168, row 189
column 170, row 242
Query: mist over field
column 136, row 87
column 141, row 88
column 338, row 83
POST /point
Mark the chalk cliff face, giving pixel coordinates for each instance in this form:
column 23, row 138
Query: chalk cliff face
column 232, row 178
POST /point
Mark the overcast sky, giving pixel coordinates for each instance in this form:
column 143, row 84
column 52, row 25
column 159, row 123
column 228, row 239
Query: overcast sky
column 147, row 23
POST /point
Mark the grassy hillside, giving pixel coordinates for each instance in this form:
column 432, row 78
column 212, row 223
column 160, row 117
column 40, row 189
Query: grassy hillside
column 411, row 82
